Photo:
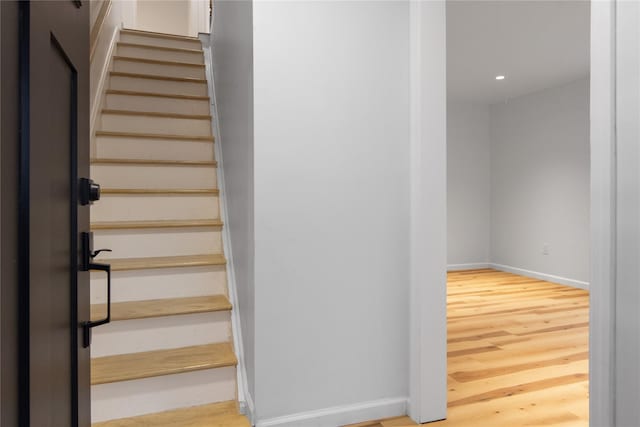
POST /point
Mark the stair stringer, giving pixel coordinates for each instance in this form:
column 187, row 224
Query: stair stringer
column 244, row 396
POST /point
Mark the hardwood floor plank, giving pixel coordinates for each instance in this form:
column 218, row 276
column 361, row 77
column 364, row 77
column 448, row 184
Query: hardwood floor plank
column 466, row 376
column 520, row 388
column 473, row 350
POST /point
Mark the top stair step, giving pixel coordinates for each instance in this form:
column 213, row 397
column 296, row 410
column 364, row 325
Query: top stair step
column 159, row 39
column 155, row 34
column 223, row 414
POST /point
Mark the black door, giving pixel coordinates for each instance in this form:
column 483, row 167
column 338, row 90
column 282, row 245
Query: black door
column 42, row 163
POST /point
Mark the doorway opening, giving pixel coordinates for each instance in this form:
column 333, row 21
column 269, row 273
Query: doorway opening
column 518, row 187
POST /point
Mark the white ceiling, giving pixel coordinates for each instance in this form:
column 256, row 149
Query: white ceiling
column 535, row 44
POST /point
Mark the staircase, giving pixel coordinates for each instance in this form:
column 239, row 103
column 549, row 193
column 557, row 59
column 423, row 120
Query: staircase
column 167, row 358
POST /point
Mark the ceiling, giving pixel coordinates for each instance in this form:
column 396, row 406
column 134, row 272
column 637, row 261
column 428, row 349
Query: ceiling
column 534, row 44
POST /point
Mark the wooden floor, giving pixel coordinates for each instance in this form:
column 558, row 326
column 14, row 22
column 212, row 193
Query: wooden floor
column 517, row 353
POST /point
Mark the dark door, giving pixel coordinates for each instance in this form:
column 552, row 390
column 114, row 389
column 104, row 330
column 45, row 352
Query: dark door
column 52, row 153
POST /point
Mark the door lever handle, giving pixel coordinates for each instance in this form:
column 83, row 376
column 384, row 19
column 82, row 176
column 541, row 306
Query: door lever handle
column 87, row 264
column 96, row 253
column 87, row 326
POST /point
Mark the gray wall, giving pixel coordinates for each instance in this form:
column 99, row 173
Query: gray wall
column 233, row 68
column 540, row 182
column 331, row 204
column 518, row 181
column 468, row 185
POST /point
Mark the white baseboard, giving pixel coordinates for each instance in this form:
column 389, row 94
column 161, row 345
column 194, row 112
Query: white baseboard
column 542, row 276
column 247, row 407
column 244, row 396
column 469, row 266
column 341, row 415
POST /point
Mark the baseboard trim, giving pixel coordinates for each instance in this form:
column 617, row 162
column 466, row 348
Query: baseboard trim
column 542, row 276
column 247, row 406
column 468, row 266
column 341, row 415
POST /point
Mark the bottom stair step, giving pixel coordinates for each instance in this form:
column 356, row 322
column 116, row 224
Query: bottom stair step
column 125, row 367
column 224, row 414
column 161, row 307
column 124, row 264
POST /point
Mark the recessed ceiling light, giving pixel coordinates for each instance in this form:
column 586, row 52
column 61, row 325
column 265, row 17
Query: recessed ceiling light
column 499, row 77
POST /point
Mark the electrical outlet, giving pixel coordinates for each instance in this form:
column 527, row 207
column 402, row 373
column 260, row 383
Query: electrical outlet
column 545, row 249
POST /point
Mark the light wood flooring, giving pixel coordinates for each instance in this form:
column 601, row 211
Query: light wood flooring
column 517, row 353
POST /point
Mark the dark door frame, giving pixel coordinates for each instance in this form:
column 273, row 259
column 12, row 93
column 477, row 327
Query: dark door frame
column 9, row 173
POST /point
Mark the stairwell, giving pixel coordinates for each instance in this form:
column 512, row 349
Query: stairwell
column 167, row 358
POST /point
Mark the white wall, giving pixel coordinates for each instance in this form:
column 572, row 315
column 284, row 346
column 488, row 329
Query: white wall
column 232, row 39
column 198, row 17
column 626, row 338
column 164, row 16
column 540, row 182
column 121, row 14
column 428, row 211
column 331, row 154
column 468, row 185
column 602, row 283
column 94, row 10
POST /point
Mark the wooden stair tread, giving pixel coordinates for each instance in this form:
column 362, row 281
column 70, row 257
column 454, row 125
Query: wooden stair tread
column 161, row 307
column 146, row 263
column 157, row 34
column 203, row 138
column 156, row 114
column 152, row 162
column 157, row 61
column 157, row 77
column 168, row 48
column 223, row 414
column 126, row 367
column 171, row 223
column 160, row 191
column 156, row 94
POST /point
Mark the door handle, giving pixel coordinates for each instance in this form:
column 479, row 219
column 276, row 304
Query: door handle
column 87, row 326
column 88, row 254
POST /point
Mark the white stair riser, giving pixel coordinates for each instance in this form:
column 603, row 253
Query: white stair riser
column 154, row 176
column 137, row 207
column 138, row 397
column 138, row 335
column 158, row 41
column 167, row 87
column 159, row 125
column 161, row 54
column 157, row 243
column 168, row 70
column 152, row 149
column 157, row 104
column 140, row 285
